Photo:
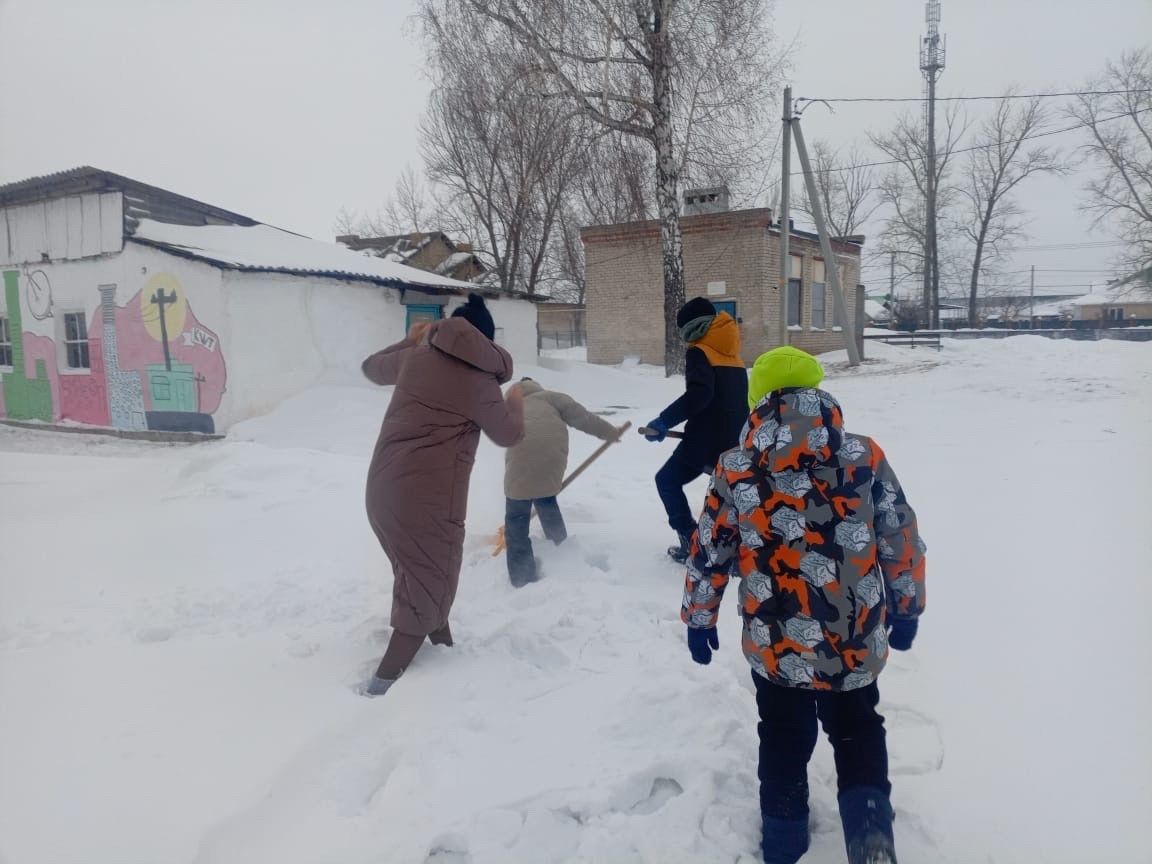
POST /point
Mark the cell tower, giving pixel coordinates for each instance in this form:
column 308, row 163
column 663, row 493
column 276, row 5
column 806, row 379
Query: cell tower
column 933, row 48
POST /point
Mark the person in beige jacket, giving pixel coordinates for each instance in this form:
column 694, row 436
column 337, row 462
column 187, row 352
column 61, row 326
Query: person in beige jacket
column 534, row 471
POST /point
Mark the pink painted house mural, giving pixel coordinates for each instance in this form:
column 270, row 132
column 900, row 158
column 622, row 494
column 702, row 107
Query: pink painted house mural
column 124, row 305
column 150, row 364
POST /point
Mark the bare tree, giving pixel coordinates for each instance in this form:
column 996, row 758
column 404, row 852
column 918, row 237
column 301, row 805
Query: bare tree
column 999, row 161
column 411, row 207
column 848, row 188
column 692, row 79
column 502, row 157
column 903, row 191
column 1119, row 147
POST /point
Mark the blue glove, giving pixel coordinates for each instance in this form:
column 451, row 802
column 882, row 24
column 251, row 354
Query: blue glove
column 657, row 430
column 702, row 641
column 901, row 632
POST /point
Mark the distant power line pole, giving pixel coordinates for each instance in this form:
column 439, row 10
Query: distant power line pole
column 785, row 216
column 932, row 51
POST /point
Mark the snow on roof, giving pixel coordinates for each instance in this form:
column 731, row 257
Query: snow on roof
column 1049, row 310
column 454, row 260
column 262, row 247
column 1109, row 296
column 876, row 310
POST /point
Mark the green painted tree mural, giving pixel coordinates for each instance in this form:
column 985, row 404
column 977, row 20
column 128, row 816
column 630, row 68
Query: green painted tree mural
column 24, row 398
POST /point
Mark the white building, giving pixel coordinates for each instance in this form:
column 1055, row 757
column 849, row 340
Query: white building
column 128, row 306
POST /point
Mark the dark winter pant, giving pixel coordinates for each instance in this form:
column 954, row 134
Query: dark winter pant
column 681, row 469
column 402, row 649
column 787, row 728
column 517, row 519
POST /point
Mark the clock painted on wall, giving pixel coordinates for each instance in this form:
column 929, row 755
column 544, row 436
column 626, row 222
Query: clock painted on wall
column 39, row 294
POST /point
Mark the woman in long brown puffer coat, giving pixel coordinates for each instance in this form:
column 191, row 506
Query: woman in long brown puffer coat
column 447, row 378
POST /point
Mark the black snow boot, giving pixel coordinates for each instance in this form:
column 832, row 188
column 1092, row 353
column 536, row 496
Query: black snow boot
column 867, row 816
column 679, row 553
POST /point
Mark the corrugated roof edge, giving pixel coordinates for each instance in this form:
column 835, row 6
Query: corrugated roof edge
column 344, row 275
column 17, row 192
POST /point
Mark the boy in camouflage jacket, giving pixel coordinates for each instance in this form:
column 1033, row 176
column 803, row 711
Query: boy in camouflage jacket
column 815, row 523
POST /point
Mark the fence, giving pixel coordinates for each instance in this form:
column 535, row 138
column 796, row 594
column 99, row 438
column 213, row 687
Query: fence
column 913, row 338
column 554, row 339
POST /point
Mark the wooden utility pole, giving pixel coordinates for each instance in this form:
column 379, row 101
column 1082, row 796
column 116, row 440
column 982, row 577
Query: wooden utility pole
column 785, row 217
column 831, row 264
column 1032, row 300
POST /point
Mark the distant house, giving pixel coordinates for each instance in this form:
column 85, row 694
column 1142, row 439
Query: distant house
column 124, row 305
column 1115, row 305
column 433, row 251
column 731, row 257
column 877, row 313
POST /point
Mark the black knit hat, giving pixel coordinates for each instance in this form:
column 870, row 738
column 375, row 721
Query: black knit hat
column 697, row 307
column 476, row 313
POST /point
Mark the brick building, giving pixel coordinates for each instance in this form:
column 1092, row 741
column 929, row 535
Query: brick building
column 731, row 257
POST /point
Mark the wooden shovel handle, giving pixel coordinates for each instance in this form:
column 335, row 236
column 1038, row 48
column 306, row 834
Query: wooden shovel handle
column 644, row 430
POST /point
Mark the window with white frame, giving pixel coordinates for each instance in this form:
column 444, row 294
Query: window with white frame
column 5, row 340
column 795, row 291
column 1115, row 314
column 819, row 296
column 76, row 341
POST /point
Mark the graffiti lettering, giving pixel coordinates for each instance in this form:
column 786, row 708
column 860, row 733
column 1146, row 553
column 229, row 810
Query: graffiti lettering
column 199, row 338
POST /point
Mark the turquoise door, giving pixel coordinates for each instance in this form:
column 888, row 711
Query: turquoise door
column 728, row 306
column 418, row 313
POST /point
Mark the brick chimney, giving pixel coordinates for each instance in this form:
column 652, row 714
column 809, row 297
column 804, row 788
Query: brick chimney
column 712, row 199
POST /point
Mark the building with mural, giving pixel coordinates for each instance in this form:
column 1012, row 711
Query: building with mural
column 124, row 305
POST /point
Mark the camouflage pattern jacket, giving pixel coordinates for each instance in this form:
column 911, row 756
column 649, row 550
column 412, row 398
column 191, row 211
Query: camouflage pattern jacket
column 814, row 521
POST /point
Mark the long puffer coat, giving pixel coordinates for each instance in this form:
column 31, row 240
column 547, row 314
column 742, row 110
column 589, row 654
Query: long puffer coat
column 534, row 468
column 447, row 391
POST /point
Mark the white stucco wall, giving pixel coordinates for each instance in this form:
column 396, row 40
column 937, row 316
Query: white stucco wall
column 288, row 333
column 291, row 333
column 515, row 325
column 248, row 340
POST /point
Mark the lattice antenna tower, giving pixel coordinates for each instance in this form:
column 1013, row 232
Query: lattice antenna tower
column 933, row 52
column 933, row 48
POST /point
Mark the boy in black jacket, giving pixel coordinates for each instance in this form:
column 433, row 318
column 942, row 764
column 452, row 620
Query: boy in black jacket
column 714, row 404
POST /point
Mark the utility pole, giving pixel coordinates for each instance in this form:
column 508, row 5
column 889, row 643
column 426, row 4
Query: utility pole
column 1032, row 300
column 785, row 217
column 932, row 51
column 891, row 277
column 831, row 265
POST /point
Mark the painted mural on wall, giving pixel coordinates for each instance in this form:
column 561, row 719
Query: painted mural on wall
column 149, row 364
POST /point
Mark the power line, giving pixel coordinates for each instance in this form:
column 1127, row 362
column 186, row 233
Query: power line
column 1002, row 96
column 978, row 146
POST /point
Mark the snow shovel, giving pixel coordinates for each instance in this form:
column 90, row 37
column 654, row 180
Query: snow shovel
column 501, row 542
column 644, row 430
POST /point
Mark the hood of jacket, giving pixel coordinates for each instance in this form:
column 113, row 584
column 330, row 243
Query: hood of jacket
column 795, row 429
column 457, row 338
column 530, row 388
column 721, row 344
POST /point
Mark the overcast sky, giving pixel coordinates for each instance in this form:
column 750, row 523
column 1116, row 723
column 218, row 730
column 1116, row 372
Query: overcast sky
column 288, row 110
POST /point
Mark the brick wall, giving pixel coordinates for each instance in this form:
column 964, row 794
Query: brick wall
column 624, row 296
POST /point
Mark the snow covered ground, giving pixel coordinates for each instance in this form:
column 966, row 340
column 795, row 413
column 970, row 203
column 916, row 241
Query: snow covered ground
column 181, row 630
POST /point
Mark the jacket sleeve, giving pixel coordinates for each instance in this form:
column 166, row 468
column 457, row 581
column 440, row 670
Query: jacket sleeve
column 500, row 422
column 900, row 549
column 579, row 417
column 714, row 552
column 699, row 388
column 384, row 367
